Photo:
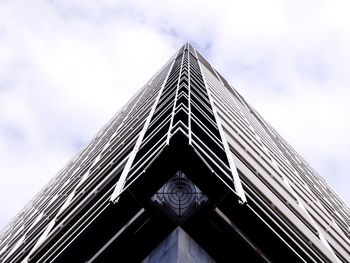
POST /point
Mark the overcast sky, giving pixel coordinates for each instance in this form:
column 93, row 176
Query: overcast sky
column 67, row 66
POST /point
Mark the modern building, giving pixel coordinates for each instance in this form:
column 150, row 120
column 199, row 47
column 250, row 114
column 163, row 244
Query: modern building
column 186, row 171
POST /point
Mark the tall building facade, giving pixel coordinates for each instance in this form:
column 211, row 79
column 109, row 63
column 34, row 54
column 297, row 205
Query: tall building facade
column 186, row 171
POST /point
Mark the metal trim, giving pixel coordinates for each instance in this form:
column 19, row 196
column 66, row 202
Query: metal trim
column 120, row 184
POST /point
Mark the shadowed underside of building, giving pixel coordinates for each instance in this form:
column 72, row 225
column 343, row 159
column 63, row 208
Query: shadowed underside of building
column 186, row 171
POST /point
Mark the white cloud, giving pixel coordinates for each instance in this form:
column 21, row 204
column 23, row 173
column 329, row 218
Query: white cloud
column 67, row 66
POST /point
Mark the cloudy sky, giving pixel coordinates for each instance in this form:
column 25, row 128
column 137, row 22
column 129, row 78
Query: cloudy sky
column 67, row 66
